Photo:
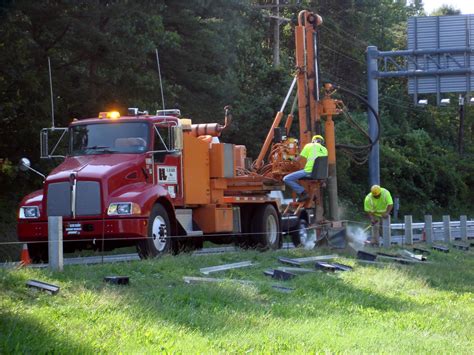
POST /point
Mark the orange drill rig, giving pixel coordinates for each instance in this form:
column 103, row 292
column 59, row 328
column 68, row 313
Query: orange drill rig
column 312, row 109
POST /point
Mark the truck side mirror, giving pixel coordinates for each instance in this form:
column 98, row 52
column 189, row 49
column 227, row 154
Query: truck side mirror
column 177, row 137
column 56, row 135
column 24, row 164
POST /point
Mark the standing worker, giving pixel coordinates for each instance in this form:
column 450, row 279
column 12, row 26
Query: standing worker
column 310, row 152
column 378, row 204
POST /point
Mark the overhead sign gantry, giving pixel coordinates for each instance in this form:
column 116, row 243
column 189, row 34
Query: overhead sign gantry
column 439, row 59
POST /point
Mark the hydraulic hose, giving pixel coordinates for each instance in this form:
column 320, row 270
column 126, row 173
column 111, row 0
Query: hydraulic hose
column 377, row 118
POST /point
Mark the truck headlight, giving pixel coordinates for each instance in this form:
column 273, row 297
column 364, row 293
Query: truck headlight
column 29, row 212
column 123, row 208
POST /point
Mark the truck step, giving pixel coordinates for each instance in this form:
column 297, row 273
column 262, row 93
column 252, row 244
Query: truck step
column 194, row 233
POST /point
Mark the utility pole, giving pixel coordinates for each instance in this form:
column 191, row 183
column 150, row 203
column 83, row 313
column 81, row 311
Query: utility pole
column 461, row 125
column 276, row 35
column 373, row 97
column 275, row 15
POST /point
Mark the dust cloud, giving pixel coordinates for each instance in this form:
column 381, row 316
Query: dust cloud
column 356, row 237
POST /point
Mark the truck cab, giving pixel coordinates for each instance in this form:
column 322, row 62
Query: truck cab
column 116, row 169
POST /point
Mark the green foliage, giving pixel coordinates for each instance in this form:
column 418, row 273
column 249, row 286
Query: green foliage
column 445, row 10
column 214, row 53
column 398, row 308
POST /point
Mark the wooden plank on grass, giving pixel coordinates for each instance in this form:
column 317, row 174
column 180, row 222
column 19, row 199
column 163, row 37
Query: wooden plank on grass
column 289, row 261
column 211, row 269
column 194, row 279
column 408, row 254
column 295, row 269
column 400, row 260
column 311, row 259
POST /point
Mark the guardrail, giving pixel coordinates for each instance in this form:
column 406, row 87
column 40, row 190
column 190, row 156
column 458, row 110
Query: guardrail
column 427, row 231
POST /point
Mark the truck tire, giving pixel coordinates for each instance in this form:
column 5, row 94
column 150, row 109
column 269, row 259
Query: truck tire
column 265, row 228
column 38, row 252
column 159, row 241
column 299, row 236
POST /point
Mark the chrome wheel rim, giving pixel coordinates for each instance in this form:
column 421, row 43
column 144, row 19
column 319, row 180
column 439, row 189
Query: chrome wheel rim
column 272, row 229
column 159, row 233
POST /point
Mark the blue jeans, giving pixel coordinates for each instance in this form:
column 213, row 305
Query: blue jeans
column 291, row 180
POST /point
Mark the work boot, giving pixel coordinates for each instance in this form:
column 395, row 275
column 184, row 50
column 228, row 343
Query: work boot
column 303, row 197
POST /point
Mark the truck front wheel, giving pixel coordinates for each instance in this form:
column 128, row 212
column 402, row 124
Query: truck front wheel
column 38, row 252
column 266, row 228
column 159, row 241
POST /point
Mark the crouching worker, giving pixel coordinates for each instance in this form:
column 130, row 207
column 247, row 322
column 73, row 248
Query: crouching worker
column 310, row 152
column 377, row 204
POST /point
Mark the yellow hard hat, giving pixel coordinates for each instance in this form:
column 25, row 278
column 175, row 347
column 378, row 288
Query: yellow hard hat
column 317, row 137
column 376, row 190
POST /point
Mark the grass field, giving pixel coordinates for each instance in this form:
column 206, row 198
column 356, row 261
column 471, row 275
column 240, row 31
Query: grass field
column 394, row 309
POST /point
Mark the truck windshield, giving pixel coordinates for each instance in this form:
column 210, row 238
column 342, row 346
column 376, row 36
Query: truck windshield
column 105, row 138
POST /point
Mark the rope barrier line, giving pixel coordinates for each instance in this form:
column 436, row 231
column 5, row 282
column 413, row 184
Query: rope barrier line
column 230, row 234
column 322, row 227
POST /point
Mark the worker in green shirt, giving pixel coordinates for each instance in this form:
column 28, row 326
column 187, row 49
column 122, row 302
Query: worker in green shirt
column 377, row 204
column 310, row 152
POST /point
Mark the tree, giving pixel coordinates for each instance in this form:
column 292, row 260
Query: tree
column 445, row 10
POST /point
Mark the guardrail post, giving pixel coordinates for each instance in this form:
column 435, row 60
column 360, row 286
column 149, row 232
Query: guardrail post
column 447, row 229
column 386, row 232
column 463, row 222
column 408, row 230
column 429, row 229
column 55, row 243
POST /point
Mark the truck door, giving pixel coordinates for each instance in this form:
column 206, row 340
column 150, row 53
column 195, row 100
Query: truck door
column 167, row 159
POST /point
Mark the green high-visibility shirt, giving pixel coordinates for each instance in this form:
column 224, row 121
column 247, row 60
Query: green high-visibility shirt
column 311, row 151
column 378, row 206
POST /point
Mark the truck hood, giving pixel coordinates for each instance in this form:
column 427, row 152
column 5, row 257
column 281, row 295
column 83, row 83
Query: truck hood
column 97, row 167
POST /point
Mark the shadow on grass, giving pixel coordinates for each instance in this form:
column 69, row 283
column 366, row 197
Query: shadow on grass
column 158, row 292
column 21, row 334
column 20, row 331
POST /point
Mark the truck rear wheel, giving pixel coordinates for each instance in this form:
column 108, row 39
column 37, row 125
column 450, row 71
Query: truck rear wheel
column 300, row 236
column 159, row 241
column 266, row 228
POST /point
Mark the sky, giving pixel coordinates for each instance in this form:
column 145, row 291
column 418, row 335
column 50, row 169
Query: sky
column 466, row 6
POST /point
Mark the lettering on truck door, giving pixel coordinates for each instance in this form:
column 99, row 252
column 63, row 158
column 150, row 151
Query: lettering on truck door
column 167, row 161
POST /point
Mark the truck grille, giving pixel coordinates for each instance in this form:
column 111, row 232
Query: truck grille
column 87, row 199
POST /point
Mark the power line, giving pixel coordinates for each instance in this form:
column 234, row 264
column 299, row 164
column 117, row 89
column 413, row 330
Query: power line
column 387, row 100
column 333, row 23
column 343, row 54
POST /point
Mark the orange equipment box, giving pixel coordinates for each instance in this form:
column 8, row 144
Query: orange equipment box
column 222, row 160
column 213, row 219
column 240, row 153
column 196, row 171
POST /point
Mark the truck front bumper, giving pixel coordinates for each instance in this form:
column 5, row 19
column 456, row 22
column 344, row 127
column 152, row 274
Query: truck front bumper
column 110, row 229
